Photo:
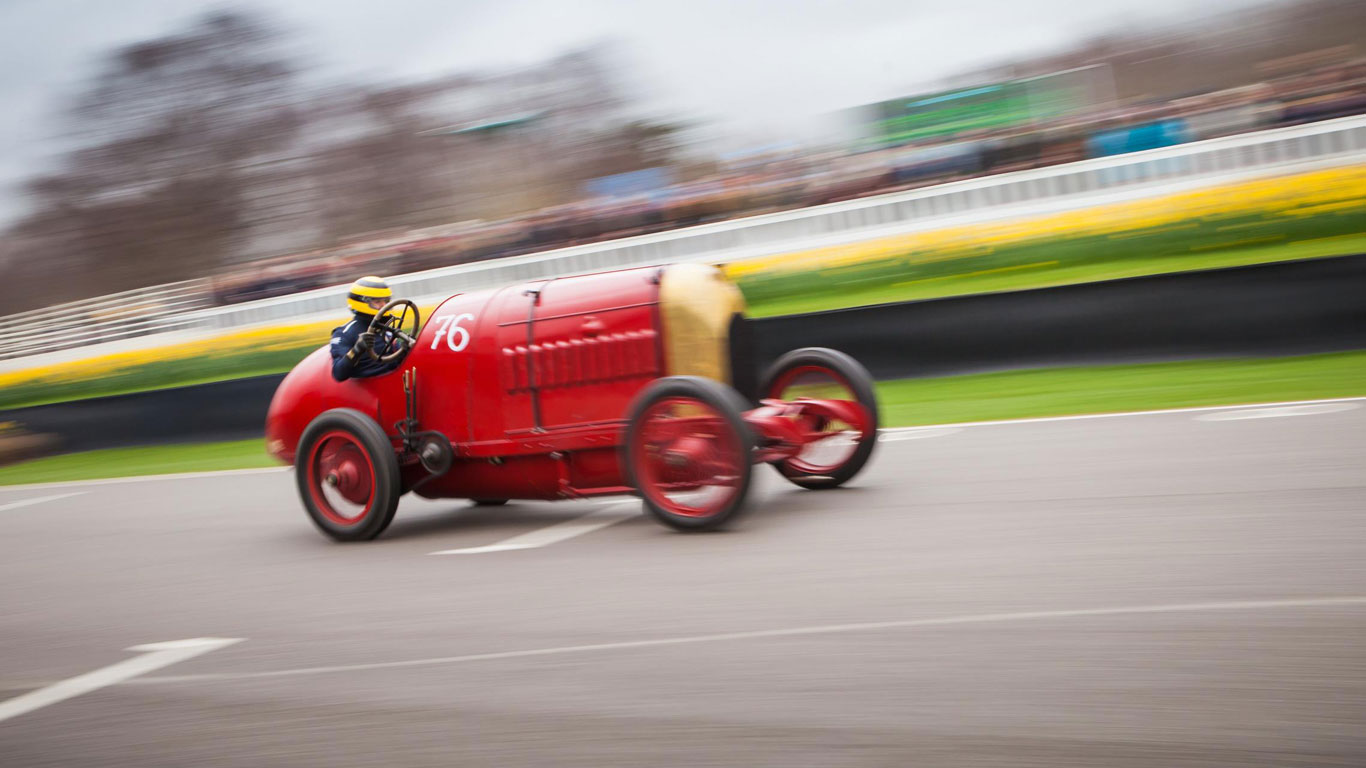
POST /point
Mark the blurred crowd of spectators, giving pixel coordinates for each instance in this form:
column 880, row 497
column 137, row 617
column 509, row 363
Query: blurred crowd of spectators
column 782, row 181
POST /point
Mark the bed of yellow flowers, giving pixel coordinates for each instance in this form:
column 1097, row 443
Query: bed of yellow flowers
column 247, row 352
column 188, row 358
column 1262, row 211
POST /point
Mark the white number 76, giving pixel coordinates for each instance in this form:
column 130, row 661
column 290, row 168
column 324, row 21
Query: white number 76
column 449, row 326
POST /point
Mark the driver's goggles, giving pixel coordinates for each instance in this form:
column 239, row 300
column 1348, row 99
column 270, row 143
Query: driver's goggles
column 374, row 302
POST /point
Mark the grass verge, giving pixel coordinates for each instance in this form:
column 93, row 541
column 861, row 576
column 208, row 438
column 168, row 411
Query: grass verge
column 1117, row 388
column 126, row 462
column 907, row 402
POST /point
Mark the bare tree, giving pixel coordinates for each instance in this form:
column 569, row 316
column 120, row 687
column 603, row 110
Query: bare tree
column 167, row 141
column 199, row 151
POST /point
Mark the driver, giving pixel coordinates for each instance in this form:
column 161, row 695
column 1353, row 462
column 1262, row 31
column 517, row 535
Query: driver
column 352, row 343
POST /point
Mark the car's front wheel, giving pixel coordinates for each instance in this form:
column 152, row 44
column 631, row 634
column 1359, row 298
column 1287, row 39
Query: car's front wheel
column 348, row 476
column 826, row 374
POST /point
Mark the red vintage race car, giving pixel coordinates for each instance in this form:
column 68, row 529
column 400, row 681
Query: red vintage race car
column 570, row 388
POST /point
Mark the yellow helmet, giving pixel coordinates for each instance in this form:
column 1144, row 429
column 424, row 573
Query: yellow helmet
column 366, row 290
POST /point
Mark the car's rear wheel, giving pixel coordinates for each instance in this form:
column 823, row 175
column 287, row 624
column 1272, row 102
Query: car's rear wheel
column 688, row 452
column 826, row 374
column 348, row 476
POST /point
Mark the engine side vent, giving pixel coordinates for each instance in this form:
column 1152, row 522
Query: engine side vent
column 577, row 362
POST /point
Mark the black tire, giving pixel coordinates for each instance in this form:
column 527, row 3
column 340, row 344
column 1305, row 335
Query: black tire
column 860, row 383
column 385, row 478
column 730, row 406
column 489, row 502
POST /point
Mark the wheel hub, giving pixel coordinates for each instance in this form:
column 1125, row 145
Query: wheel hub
column 342, row 468
column 684, row 460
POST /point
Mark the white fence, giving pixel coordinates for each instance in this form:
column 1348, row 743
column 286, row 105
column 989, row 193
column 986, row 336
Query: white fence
column 139, row 312
column 1075, row 185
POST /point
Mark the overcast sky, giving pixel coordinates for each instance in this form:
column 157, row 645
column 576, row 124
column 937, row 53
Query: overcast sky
column 754, row 66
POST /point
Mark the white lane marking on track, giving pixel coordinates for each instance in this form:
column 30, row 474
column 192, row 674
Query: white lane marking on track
column 1276, row 412
column 599, row 518
column 36, row 500
column 153, row 656
column 948, row 621
column 897, row 435
column 916, row 433
column 145, row 478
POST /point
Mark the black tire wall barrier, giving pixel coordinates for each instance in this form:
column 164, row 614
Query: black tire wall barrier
column 222, row 410
column 1299, row 307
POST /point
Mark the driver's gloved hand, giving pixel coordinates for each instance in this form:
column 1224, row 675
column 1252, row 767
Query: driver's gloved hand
column 364, row 344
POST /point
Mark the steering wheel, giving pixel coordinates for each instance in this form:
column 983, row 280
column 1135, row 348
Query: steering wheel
column 386, row 322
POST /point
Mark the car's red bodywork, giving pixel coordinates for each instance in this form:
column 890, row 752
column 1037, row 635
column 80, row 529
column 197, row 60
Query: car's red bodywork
column 595, row 341
column 532, row 385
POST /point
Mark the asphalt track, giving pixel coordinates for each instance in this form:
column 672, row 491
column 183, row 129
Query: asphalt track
column 1176, row 589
